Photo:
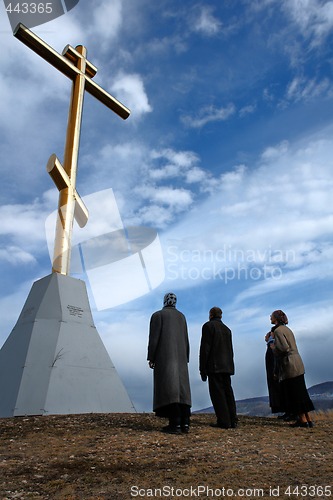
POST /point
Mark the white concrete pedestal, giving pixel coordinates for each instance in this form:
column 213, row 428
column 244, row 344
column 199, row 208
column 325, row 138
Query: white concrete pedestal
column 54, row 361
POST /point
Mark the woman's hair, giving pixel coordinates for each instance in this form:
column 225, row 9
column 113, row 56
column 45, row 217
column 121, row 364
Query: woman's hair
column 280, row 317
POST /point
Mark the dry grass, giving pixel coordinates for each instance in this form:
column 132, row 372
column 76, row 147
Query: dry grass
column 104, row 456
column 323, row 415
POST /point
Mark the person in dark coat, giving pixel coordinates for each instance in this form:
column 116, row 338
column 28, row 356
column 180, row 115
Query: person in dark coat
column 295, row 396
column 273, row 383
column 216, row 361
column 168, row 356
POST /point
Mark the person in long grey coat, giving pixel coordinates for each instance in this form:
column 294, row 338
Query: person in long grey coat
column 168, row 356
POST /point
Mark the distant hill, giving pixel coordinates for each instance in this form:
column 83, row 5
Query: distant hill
column 321, row 395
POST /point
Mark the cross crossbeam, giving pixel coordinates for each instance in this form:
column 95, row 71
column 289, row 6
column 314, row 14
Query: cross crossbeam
column 74, row 64
column 62, row 181
column 64, row 63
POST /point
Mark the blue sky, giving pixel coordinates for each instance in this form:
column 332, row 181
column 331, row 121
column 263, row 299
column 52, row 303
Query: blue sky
column 227, row 155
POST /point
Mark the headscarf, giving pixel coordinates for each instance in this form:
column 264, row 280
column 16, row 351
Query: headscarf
column 280, row 316
column 169, row 300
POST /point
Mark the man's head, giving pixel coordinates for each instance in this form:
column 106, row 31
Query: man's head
column 169, row 300
column 215, row 312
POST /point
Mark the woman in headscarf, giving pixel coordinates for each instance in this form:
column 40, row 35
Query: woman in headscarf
column 295, row 396
column 168, row 355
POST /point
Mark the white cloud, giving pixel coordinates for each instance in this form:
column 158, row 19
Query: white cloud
column 163, row 45
column 130, row 158
column 24, row 224
column 196, row 174
column 16, row 256
column 177, row 199
column 107, row 19
column 232, row 178
column 268, row 95
column 272, row 152
column 141, row 194
column 314, row 18
column 247, row 110
column 205, row 22
column 178, row 158
column 155, row 215
column 164, row 173
column 208, row 114
column 129, row 89
column 22, row 234
column 275, row 218
column 301, row 88
column 182, row 164
column 34, row 81
column 159, row 205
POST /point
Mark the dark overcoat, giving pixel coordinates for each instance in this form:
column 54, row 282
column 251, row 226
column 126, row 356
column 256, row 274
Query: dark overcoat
column 274, row 390
column 216, row 351
column 169, row 350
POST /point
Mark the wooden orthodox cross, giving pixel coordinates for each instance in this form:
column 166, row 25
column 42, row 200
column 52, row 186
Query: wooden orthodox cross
column 74, row 64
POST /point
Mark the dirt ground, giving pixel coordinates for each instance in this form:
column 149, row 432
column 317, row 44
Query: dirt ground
column 125, row 456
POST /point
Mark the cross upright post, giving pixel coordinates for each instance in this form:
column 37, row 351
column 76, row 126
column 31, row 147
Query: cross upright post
column 74, row 64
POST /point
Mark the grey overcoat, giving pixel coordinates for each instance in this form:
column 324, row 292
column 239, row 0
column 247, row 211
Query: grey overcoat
column 169, row 349
column 290, row 362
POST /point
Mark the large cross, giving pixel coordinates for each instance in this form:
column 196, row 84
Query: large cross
column 74, row 64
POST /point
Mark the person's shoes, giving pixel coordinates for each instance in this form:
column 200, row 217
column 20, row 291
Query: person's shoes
column 185, row 425
column 172, row 429
column 219, row 426
column 300, row 424
column 289, row 417
column 282, row 417
column 310, row 425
